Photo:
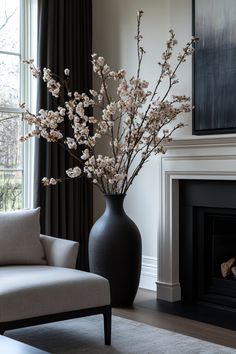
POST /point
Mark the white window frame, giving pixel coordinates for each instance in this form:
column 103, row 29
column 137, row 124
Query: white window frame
column 28, row 49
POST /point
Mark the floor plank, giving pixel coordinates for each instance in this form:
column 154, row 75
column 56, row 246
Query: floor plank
column 141, row 311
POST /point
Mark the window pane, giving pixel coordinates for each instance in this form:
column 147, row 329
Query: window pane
column 10, row 190
column 10, row 25
column 9, row 80
column 10, row 146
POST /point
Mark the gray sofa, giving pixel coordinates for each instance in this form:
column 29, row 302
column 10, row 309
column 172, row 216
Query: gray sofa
column 44, row 286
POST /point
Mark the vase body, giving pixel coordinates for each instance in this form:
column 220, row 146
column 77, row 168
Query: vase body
column 115, row 251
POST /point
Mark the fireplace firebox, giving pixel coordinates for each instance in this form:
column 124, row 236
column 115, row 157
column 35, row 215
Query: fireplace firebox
column 208, row 242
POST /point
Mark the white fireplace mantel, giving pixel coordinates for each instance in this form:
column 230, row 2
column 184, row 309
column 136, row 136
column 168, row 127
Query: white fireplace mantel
column 212, row 159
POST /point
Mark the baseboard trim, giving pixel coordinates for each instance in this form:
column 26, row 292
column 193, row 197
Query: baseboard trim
column 168, row 292
column 149, row 273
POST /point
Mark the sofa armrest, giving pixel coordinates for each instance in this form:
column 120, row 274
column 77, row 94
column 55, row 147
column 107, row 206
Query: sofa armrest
column 60, row 252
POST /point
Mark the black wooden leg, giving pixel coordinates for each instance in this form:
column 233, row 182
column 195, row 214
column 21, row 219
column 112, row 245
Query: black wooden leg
column 2, row 331
column 107, row 325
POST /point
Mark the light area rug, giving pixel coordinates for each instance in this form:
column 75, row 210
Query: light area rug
column 85, row 335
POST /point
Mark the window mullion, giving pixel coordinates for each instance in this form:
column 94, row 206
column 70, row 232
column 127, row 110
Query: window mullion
column 25, row 97
column 10, row 53
column 31, row 52
column 10, row 110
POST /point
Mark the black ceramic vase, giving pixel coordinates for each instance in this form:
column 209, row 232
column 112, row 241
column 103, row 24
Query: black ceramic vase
column 115, row 250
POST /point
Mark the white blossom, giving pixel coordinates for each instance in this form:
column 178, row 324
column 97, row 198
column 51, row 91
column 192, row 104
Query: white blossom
column 93, row 93
column 71, row 143
column 74, row 172
column 50, row 181
column 85, row 154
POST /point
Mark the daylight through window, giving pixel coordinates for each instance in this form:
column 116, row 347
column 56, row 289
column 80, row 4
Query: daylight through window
column 11, row 93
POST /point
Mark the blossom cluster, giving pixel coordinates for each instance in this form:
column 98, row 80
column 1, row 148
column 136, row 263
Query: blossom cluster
column 135, row 121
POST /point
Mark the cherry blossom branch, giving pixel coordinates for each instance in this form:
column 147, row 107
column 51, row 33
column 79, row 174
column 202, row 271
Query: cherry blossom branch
column 132, row 120
column 140, row 50
column 145, row 159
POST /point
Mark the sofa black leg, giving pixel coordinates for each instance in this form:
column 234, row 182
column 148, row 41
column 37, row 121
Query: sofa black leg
column 107, row 325
column 2, row 331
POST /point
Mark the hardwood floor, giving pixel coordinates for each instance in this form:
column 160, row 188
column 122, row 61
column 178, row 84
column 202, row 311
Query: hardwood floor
column 145, row 310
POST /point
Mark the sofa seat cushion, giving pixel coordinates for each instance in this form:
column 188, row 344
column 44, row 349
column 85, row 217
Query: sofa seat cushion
column 32, row 291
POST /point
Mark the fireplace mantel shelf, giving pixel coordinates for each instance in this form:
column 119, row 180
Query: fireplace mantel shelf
column 203, row 142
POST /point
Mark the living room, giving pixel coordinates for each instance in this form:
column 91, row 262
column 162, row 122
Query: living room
column 179, row 273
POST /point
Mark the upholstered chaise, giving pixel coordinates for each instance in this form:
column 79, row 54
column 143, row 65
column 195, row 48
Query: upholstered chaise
column 47, row 287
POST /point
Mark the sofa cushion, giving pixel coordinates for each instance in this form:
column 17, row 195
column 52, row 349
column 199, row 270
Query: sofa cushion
column 19, row 238
column 32, row 291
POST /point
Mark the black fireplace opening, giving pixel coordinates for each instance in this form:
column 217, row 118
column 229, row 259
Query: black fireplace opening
column 215, row 235
column 208, row 242
column 207, row 239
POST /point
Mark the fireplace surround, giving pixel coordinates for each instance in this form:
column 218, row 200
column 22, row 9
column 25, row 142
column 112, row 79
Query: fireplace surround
column 211, row 159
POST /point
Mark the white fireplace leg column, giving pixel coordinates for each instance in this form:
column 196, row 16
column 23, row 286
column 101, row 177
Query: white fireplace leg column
column 168, row 286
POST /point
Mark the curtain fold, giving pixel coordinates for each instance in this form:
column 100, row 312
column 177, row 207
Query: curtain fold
column 64, row 41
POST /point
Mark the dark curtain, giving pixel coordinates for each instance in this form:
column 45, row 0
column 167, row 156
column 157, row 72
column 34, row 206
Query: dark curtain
column 64, row 41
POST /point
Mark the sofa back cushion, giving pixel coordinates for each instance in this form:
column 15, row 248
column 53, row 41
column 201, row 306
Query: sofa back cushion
column 19, row 238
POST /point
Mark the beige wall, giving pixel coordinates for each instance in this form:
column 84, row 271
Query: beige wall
column 114, row 28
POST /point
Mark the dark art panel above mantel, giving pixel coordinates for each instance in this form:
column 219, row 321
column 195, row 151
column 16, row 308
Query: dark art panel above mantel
column 214, row 67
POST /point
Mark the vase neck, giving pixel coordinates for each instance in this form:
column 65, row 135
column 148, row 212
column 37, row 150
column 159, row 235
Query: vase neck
column 114, row 203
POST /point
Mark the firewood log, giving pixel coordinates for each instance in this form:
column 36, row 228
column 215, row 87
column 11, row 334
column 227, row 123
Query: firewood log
column 226, row 267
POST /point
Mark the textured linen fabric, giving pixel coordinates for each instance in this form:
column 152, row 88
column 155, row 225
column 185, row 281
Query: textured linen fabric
column 59, row 252
column 19, row 238
column 31, row 291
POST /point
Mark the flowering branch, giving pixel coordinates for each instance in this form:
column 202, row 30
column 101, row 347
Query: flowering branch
column 134, row 132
